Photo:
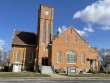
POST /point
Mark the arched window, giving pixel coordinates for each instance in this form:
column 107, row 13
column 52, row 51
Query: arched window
column 18, row 56
column 43, row 33
column 58, row 57
column 71, row 57
column 75, row 39
column 49, row 33
column 30, row 57
column 66, row 38
column 83, row 58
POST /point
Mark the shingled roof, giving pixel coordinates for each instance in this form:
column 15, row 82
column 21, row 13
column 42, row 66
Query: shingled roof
column 24, row 38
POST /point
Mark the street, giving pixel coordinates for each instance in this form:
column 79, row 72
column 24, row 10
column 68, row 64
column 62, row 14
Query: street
column 54, row 81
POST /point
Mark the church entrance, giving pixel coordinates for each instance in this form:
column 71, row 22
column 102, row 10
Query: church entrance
column 93, row 64
column 45, row 61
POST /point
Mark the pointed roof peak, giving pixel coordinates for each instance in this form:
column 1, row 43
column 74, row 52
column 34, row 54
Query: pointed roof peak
column 71, row 27
column 59, row 29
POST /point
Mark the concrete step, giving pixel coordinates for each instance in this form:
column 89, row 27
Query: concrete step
column 46, row 69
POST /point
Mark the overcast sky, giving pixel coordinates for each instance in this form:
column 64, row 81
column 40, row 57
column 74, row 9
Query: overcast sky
column 90, row 18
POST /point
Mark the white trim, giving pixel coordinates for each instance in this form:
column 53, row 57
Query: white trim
column 58, row 57
column 17, row 56
column 75, row 39
column 73, row 62
column 66, row 39
column 82, row 58
column 45, row 49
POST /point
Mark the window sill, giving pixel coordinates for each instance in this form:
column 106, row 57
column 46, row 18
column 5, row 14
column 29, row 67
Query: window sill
column 70, row 63
column 58, row 62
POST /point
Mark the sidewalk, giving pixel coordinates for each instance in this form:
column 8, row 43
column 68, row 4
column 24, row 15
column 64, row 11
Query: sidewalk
column 57, row 76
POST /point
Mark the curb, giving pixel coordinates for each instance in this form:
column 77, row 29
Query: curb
column 53, row 78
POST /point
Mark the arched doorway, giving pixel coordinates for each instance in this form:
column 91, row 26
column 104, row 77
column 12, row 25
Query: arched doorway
column 44, row 61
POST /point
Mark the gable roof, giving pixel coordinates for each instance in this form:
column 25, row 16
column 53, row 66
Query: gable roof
column 24, row 38
column 70, row 27
column 76, row 32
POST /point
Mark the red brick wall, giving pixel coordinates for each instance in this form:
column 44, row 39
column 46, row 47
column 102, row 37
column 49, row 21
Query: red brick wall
column 24, row 54
column 59, row 44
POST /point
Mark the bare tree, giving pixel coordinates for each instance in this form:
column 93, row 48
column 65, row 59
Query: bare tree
column 4, row 55
column 104, row 58
column 0, row 55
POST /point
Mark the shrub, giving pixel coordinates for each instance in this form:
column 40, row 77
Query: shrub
column 93, row 71
column 57, row 71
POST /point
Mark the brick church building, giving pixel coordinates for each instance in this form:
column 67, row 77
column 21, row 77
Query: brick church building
column 61, row 51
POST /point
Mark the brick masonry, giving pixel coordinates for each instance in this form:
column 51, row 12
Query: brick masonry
column 50, row 50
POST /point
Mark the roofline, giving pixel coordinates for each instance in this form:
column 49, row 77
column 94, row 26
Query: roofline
column 26, row 31
column 76, row 32
column 73, row 29
column 46, row 6
column 22, row 44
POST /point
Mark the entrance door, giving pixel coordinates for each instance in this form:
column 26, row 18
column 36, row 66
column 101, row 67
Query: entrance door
column 93, row 64
column 45, row 61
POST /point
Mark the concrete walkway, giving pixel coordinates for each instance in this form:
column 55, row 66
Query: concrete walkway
column 57, row 76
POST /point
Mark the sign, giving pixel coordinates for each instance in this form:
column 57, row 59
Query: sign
column 73, row 70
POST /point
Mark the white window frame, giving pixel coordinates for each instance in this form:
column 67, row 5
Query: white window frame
column 83, row 56
column 75, row 39
column 17, row 56
column 58, row 57
column 66, row 38
column 67, row 56
column 45, row 48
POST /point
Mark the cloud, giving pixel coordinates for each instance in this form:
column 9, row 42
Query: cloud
column 64, row 28
column 105, row 28
column 1, row 43
column 88, row 28
column 96, row 13
column 81, row 33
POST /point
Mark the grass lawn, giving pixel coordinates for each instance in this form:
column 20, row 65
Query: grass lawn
column 89, row 75
column 22, row 74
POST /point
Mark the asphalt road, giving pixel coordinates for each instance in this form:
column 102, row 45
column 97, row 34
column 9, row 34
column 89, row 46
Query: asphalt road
column 54, row 81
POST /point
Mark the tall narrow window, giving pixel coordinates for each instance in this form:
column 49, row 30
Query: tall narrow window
column 30, row 57
column 58, row 57
column 18, row 56
column 75, row 39
column 71, row 57
column 83, row 58
column 66, row 38
column 49, row 33
column 43, row 33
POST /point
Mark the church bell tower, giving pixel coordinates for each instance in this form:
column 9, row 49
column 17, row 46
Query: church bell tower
column 45, row 31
